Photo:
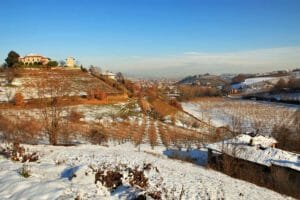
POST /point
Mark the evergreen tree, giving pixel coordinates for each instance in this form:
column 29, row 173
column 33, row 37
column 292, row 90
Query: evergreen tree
column 12, row 59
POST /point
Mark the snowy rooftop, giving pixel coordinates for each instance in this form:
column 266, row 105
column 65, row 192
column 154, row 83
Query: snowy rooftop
column 108, row 74
column 34, row 54
column 241, row 148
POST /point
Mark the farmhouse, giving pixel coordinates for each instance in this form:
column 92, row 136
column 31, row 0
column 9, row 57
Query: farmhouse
column 34, row 58
column 255, row 160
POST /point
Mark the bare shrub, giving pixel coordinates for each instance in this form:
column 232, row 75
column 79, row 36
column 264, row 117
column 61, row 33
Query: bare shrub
column 175, row 103
column 96, row 136
column 196, row 124
column 8, row 94
column 100, row 95
column 18, row 99
column 25, row 171
column 155, row 195
column 11, row 74
column 152, row 135
column 144, row 104
column 90, row 94
column 20, row 130
column 109, row 179
column 287, row 138
column 163, row 135
column 6, row 127
column 138, row 178
column 75, row 116
column 96, row 94
column 28, row 130
column 16, row 152
column 138, row 133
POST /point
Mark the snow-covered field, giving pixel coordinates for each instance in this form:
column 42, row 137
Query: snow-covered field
column 69, row 172
column 252, row 116
column 254, row 81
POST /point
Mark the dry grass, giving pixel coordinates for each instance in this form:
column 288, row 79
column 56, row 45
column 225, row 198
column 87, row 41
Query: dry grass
column 163, row 108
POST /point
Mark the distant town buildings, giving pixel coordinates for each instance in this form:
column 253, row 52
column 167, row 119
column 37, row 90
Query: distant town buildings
column 34, row 58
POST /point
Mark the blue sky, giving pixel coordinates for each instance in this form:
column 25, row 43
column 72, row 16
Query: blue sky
column 136, row 36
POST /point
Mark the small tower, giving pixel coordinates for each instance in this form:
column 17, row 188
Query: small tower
column 70, row 62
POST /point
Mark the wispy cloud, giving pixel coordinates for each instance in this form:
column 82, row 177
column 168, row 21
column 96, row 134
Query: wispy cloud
column 193, row 62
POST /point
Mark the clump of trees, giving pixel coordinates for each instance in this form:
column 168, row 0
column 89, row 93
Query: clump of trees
column 52, row 63
column 10, row 67
column 239, row 78
column 290, row 84
column 288, row 137
column 12, row 59
column 188, row 92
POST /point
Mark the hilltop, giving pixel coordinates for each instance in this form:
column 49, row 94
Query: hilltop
column 204, row 80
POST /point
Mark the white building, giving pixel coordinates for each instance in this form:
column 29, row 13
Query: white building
column 109, row 75
column 70, row 62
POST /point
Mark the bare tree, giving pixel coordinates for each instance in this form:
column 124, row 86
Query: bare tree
column 53, row 90
column 8, row 93
column 62, row 63
column 10, row 75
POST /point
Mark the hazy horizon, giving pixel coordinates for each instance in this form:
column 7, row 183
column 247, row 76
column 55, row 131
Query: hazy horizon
column 157, row 38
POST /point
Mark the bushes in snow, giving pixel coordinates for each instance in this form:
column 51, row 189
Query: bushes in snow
column 97, row 136
column 110, row 179
column 138, row 178
column 122, row 175
column 16, row 152
column 25, row 171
